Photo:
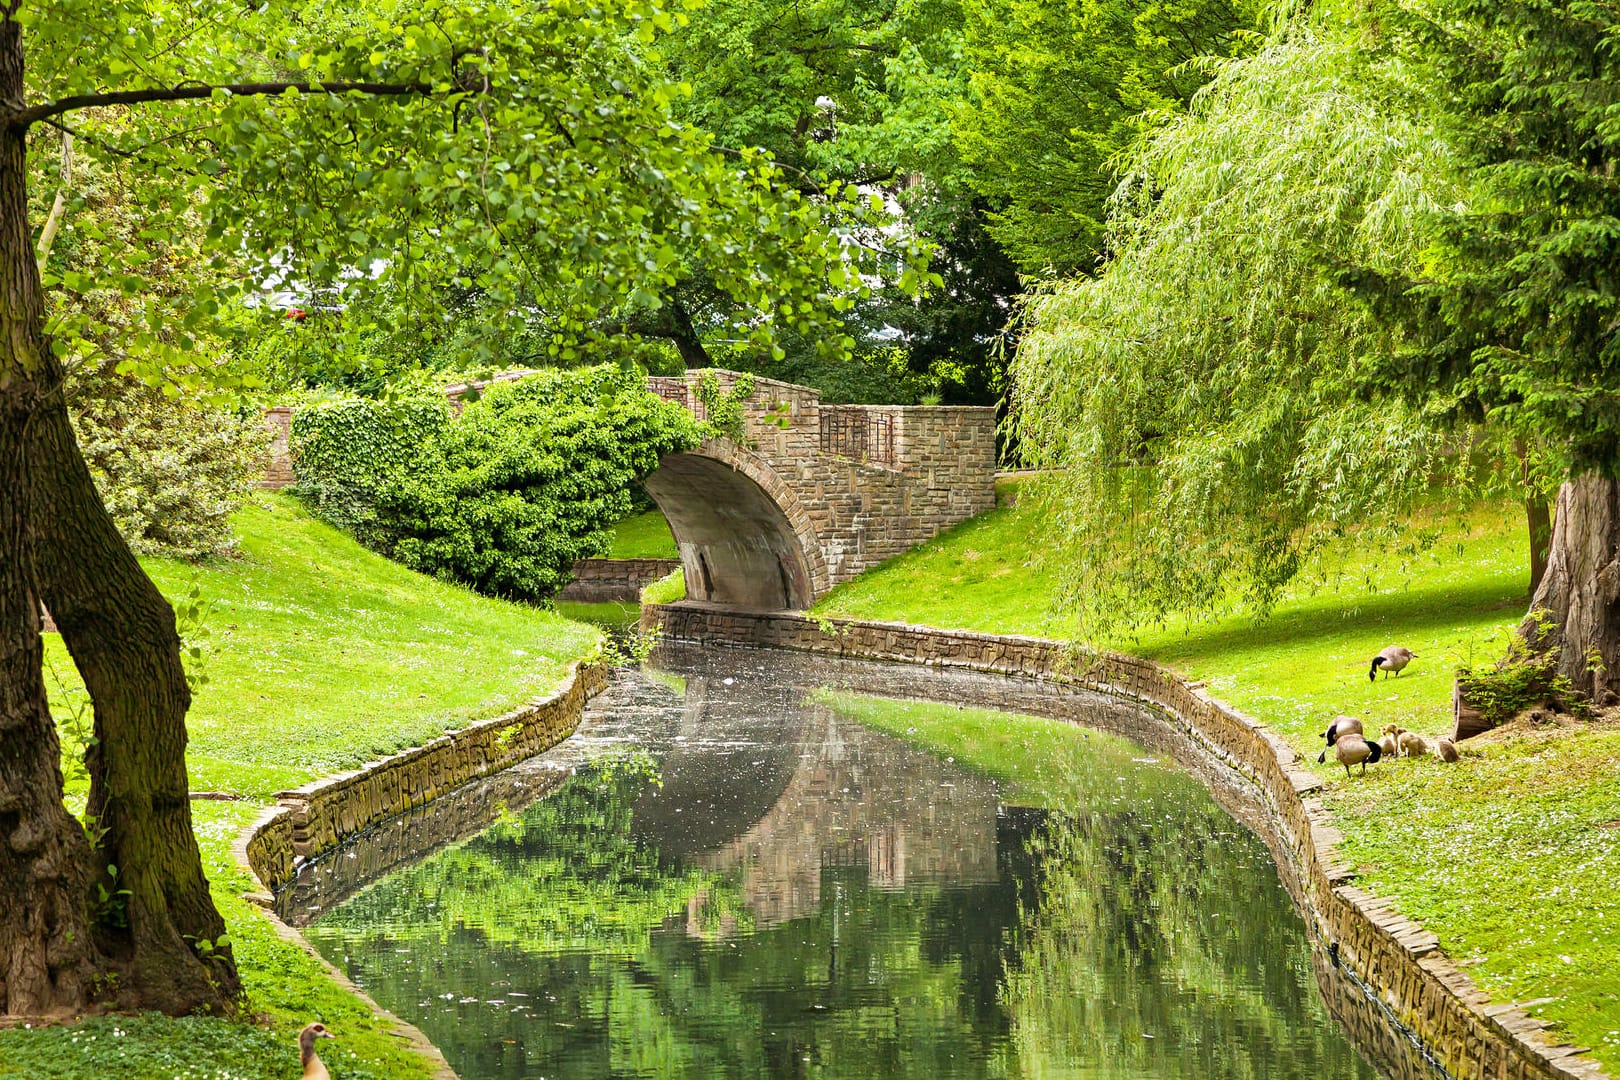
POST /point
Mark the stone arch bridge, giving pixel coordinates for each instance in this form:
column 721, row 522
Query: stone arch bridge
column 810, row 497
column 815, row 493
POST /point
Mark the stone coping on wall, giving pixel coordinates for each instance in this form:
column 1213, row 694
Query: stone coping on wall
column 1398, row 961
column 308, row 821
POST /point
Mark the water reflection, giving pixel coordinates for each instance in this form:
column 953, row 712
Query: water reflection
column 736, row 882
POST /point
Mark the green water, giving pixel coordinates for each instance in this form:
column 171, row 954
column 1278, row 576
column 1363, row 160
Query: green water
column 740, row 880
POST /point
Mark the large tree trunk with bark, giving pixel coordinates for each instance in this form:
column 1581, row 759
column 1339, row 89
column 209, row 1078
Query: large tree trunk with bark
column 1576, row 608
column 61, row 547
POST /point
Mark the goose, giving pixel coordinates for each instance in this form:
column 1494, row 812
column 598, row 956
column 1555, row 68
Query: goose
column 1413, row 744
column 313, row 1069
column 1446, row 749
column 1341, row 726
column 1353, row 750
column 1395, row 658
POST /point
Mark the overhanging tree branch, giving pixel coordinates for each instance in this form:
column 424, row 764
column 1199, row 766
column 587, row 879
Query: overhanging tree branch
column 23, row 118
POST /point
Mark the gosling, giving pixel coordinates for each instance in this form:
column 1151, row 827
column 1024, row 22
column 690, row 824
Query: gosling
column 1390, row 744
column 313, row 1069
column 1353, row 750
column 1341, row 726
column 1393, row 659
column 1413, row 744
column 1446, row 749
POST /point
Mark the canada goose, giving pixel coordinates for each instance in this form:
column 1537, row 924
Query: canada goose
column 1413, row 744
column 1395, row 658
column 1390, row 743
column 1354, row 750
column 313, row 1069
column 1446, row 749
column 1341, row 726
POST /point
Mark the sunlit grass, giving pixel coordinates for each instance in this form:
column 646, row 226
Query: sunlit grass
column 644, row 536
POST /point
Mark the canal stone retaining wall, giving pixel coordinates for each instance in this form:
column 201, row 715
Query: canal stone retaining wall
column 310, row 820
column 598, row 581
column 1398, row 962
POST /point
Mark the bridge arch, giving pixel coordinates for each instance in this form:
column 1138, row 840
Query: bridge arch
column 745, row 539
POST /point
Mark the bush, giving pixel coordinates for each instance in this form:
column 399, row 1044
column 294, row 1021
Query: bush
column 531, row 477
column 346, row 452
column 505, row 497
column 171, row 470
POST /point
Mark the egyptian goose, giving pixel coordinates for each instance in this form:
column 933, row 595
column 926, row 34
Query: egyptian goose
column 313, row 1069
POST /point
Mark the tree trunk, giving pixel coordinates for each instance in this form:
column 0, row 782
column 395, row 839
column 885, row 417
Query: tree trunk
column 685, row 336
column 1576, row 609
column 46, row 952
column 62, row 548
column 1540, row 528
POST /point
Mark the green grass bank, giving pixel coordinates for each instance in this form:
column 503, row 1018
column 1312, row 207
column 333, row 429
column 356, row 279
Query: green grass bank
column 319, row 656
column 1509, row 856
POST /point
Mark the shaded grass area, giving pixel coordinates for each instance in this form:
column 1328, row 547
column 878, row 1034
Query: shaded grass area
column 1505, row 856
column 643, row 536
column 320, row 656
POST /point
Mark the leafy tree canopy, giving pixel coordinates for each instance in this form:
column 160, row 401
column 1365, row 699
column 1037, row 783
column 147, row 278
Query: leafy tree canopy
column 1059, row 90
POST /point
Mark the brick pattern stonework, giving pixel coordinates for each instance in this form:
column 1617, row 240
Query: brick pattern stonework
column 598, row 581
column 278, row 471
column 844, row 487
column 1398, row 965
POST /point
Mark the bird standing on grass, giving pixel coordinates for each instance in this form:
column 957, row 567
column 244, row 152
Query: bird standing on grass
column 1353, row 750
column 313, row 1069
column 1341, row 726
column 1395, row 658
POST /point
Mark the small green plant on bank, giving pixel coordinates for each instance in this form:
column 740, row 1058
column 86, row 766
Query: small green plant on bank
column 666, row 590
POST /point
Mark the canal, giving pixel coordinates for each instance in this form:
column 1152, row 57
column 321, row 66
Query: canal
column 750, row 864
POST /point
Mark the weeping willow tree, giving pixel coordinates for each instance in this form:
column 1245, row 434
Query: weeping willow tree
column 1382, row 253
column 1211, row 399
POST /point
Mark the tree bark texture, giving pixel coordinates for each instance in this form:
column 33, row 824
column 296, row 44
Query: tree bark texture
column 61, row 547
column 1539, row 520
column 1576, row 608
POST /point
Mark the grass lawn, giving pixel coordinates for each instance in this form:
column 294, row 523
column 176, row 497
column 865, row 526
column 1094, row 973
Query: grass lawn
column 319, row 656
column 1451, row 846
column 643, row 536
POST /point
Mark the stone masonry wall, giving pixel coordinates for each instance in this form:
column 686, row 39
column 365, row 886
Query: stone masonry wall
column 1399, row 961
column 597, row 581
column 867, row 482
column 278, row 472
column 312, row 819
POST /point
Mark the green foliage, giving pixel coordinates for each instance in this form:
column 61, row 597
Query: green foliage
column 171, row 470
column 723, row 408
column 345, row 453
column 1522, row 309
column 530, row 478
column 1519, row 680
column 1057, row 93
column 1214, row 428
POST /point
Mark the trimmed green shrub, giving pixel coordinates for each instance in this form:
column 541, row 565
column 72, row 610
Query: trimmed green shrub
column 531, row 477
column 171, row 470
column 346, row 452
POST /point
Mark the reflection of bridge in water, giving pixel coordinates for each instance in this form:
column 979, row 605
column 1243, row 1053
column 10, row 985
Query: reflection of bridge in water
column 830, row 794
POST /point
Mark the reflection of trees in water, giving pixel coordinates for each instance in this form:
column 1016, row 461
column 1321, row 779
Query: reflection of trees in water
column 1160, row 943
